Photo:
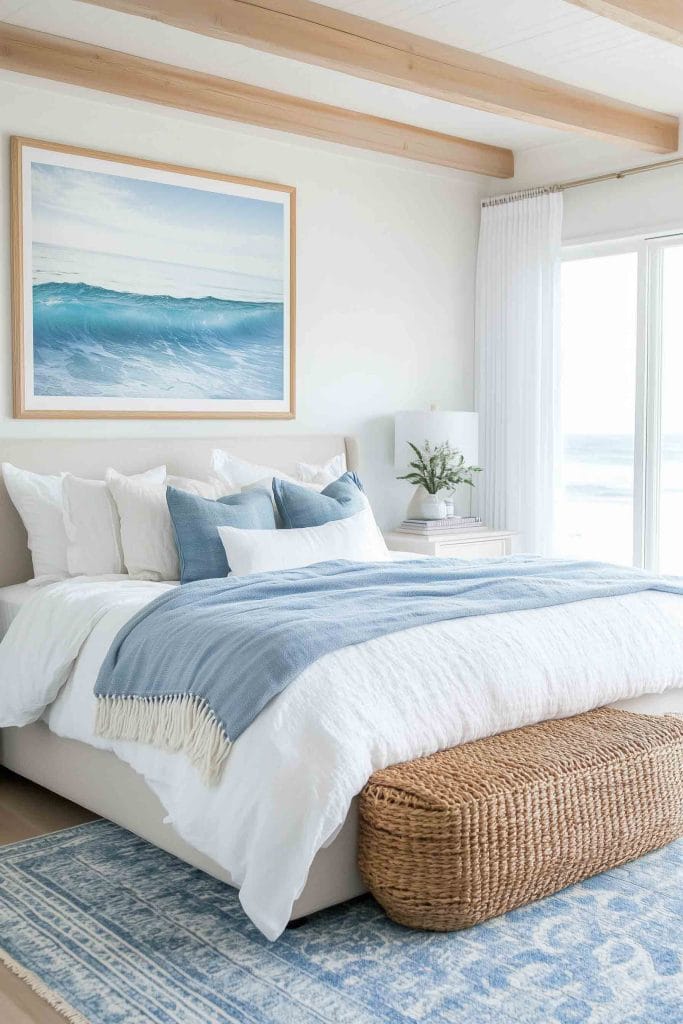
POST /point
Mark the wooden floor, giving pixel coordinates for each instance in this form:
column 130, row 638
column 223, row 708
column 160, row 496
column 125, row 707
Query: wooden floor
column 27, row 810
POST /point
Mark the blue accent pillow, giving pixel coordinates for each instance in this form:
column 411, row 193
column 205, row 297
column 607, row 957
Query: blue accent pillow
column 195, row 523
column 301, row 507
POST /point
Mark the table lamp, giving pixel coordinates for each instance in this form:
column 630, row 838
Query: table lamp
column 459, row 429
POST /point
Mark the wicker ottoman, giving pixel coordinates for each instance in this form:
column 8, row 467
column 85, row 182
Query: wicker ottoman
column 450, row 840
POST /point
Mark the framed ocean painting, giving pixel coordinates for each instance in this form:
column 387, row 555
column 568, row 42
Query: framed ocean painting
column 142, row 289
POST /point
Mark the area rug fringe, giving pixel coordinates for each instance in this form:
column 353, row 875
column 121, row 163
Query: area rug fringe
column 181, row 722
column 42, row 990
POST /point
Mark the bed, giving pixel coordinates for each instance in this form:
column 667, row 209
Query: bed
column 104, row 783
column 97, row 779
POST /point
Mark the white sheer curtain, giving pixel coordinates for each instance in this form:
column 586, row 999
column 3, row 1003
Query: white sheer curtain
column 517, row 335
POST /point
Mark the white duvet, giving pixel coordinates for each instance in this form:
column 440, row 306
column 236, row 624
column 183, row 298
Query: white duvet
column 290, row 778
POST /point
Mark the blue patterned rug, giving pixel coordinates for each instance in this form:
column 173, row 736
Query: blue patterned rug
column 112, row 930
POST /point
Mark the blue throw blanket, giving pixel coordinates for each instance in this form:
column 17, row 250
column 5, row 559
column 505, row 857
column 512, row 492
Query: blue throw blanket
column 194, row 668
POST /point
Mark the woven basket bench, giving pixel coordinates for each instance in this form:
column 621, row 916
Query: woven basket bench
column 450, row 840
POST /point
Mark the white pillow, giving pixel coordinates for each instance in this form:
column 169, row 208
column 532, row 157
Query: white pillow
column 234, row 473
column 202, row 488
column 38, row 500
column 149, row 550
column 356, row 538
column 323, row 475
column 91, row 521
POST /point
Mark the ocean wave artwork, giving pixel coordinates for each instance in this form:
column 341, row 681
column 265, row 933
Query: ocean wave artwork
column 92, row 341
column 154, row 289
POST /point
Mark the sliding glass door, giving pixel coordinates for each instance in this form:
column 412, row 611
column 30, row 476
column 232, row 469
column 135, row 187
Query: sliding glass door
column 667, row 270
column 621, row 491
column 595, row 517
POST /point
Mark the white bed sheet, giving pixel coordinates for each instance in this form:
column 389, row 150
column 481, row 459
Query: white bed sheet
column 11, row 601
column 13, row 598
column 290, row 778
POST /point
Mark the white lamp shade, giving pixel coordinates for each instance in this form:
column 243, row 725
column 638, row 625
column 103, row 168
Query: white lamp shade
column 460, row 429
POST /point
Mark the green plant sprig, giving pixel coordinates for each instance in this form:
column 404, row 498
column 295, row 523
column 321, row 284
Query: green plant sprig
column 439, row 467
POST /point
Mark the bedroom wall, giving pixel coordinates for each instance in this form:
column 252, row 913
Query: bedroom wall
column 386, row 252
column 650, row 203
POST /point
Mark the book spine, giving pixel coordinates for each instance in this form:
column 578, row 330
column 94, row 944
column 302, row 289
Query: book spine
column 442, row 526
column 439, row 532
column 432, row 524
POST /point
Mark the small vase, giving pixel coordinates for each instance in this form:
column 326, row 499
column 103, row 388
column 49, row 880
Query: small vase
column 432, row 507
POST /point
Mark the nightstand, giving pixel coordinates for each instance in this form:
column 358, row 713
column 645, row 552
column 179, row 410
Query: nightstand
column 476, row 543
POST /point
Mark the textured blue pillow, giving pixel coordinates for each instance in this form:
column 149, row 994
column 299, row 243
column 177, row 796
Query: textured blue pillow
column 300, row 507
column 195, row 524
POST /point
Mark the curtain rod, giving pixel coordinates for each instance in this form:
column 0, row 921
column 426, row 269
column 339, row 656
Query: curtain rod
column 619, row 174
column 578, row 182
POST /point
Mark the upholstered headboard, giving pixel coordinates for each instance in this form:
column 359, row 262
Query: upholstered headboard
column 183, row 457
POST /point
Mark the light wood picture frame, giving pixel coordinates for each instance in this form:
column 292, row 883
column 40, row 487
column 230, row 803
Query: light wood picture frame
column 149, row 290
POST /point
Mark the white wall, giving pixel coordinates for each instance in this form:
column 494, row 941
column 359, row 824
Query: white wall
column 643, row 204
column 385, row 248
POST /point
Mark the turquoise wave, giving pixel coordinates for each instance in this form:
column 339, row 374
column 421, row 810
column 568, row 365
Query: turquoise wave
column 91, row 341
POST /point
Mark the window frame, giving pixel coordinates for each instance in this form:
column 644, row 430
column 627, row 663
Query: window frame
column 648, row 400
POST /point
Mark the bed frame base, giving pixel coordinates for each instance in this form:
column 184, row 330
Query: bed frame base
column 100, row 782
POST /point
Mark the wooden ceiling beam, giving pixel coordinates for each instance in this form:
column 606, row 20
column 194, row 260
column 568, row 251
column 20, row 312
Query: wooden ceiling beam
column 65, row 60
column 660, row 18
column 317, row 34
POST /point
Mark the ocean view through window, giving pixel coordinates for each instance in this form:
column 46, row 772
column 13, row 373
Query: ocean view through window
column 620, row 497
column 598, row 393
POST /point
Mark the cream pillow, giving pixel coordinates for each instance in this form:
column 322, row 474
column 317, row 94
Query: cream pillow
column 91, row 521
column 149, row 551
column 356, row 538
column 38, row 500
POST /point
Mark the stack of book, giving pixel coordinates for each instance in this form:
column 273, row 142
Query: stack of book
column 432, row 527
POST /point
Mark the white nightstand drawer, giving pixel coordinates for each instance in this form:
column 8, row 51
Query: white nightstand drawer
column 475, row 549
column 477, row 543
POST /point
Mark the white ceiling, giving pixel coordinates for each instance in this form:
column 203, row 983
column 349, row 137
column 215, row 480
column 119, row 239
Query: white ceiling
column 547, row 36
column 550, row 37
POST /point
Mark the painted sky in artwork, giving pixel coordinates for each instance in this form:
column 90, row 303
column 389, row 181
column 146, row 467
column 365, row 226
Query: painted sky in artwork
column 94, row 212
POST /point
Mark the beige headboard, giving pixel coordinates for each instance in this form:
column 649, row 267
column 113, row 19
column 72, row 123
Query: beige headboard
column 186, row 457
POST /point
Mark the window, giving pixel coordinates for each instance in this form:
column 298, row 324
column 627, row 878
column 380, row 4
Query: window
column 621, row 494
column 668, row 289
column 598, row 399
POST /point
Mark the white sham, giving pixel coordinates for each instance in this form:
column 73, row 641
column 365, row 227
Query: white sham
column 149, row 550
column 234, row 474
column 38, row 500
column 92, row 524
column 308, row 473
